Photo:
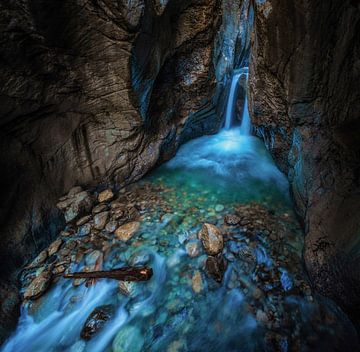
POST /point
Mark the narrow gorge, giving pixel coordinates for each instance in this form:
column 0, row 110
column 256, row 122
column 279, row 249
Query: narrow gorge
column 180, row 175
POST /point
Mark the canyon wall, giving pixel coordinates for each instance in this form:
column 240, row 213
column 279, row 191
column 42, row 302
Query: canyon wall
column 93, row 91
column 305, row 100
column 99, row 92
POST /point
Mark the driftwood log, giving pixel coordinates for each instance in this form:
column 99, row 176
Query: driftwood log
column 122, row 274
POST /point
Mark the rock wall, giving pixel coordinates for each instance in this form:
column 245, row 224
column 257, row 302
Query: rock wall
column 305, row 73
column 94, row 91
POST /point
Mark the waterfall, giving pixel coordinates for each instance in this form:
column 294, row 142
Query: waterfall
column 231, row 101
column 245, row 127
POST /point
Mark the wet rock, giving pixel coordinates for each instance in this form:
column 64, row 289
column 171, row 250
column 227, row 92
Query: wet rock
column 75, row 190
column 111, row 226
column 127, row 231
column 59, row 269
column 219, row 207
column 39, row 285
column 92, row 257
column 76, row 206
column 99, row 208
column 96, row 321
column 215, row 267
column 84, row 230
column 196, row 282
column 105, row 196
column 126, row 288
column 193, row 249
column 129, row 338
column 83, row 220
column 232, row 220
column 54, row 247
column 139, row 259
column 100, row 220
column 211, row 239
column 40, row 259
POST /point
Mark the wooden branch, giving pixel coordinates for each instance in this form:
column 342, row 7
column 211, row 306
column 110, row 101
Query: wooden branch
column 123, row 274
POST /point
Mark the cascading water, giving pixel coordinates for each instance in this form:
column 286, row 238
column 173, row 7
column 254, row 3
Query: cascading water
column 231, row 101
column 245, row 127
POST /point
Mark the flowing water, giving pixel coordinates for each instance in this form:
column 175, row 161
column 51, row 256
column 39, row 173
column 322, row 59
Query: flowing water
column 263, row 302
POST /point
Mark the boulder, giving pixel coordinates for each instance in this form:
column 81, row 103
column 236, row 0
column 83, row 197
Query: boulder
column 111, row 226
column 100, row 220
column 215, row 267
column 54, row 247
column 76, row 206
column 126, row 232
column 39, row 285
column 105, row 196
column 96, row 321
column 212, row 239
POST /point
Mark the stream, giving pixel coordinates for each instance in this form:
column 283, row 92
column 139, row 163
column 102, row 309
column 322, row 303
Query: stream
column 264, row 301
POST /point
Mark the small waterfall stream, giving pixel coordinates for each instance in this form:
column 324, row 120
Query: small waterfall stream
column 245, row 127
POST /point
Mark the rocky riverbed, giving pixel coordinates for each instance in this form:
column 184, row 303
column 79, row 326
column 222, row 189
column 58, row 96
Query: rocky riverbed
column 226, row 251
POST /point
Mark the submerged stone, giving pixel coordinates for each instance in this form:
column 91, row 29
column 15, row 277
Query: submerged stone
column 54, row 247
column 129, row 338
column 126, row 232
column 96, row 321
column 197, row 283
column 215, row 267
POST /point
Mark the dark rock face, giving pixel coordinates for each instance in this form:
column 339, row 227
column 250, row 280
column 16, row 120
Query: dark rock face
column 100, row 91
column 305, row 71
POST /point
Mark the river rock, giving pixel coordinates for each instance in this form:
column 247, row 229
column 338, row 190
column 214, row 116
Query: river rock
column 83, row 220
column 196, row 282
column 215, row 267
column 125, row 232
column 111, row 226
column 105, row 195
column 54, row 247
column 100, row 220
column 232, row 220
column 193, row 249
column 129, row 338
column 99, row 208
column 39, row 259
column 211, row 239
column 96, row 321
column 76, row 206
column 84, row 230
column 39, row 285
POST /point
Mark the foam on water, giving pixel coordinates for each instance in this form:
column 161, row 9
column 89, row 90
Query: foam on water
column 229, row 158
